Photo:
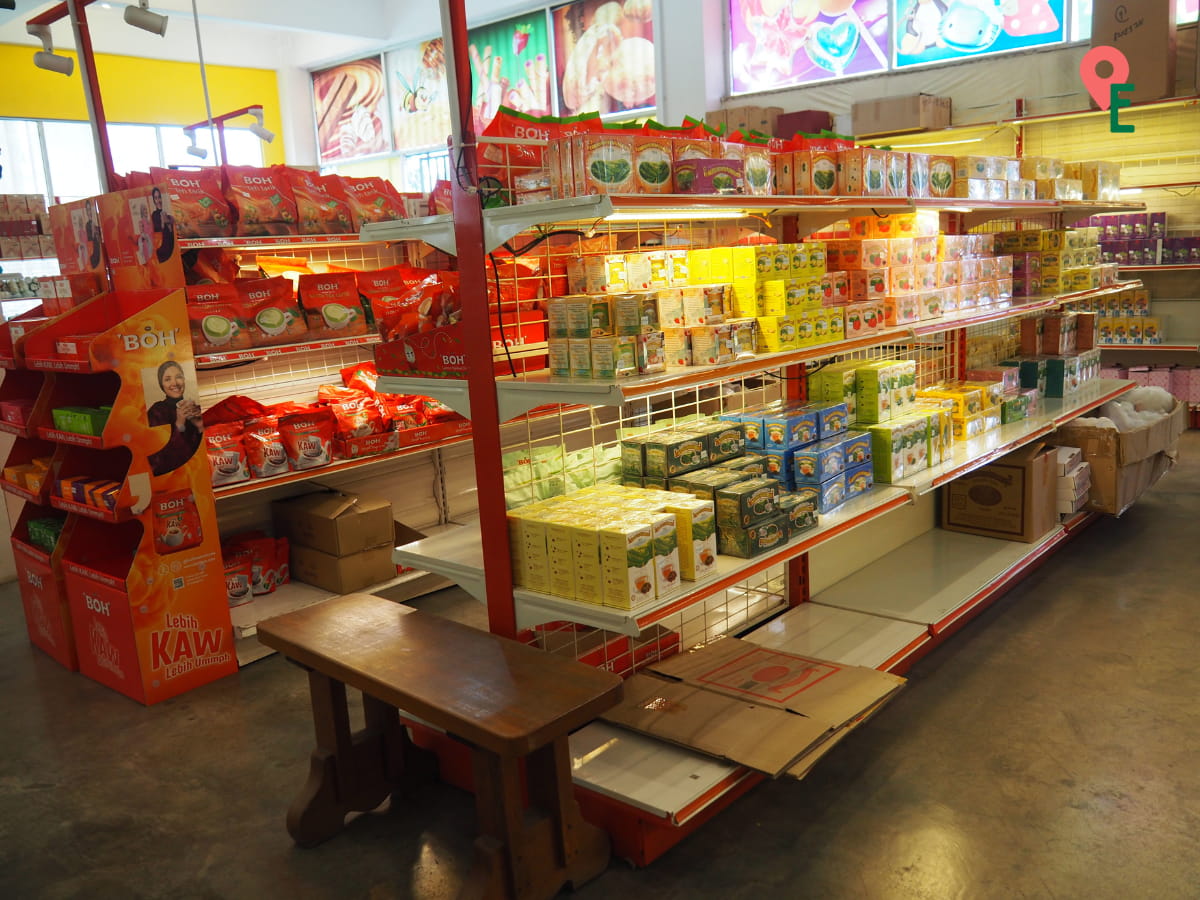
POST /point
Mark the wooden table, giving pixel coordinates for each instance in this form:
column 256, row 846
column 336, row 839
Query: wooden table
column 507, row 701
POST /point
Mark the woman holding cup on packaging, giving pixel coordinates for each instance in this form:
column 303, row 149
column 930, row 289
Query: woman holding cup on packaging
column 183, row 415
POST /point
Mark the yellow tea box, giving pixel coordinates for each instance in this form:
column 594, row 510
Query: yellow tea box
column 887, row 450
column 836, row 317
column 745, row 297
column 772, row 297
column 607, row 274
column 875, row 384
column 743, row 263
column 556, row 319
column 817, row 257
column 580, row 354
column 660, row 270
column 764, row 261
column 742, row 504
column 696, row 527
column 627, row 563
column 695, row 305
column 585, row 549
column 614, row 357
column 699, row 266
column 637, row 271
column 667, row 578
column 588, row 317
column 669, row 307
column 681, row 267
column 677, row 348
column 559, row 353
column 720, row 264
column 836, row 383
column 967, row 401
column 634, row 314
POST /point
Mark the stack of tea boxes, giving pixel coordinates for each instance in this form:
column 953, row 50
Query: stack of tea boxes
column 1046, row 262
column 1124, row 316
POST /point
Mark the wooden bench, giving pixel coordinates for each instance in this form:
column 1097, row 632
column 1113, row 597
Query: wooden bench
column 507, row 701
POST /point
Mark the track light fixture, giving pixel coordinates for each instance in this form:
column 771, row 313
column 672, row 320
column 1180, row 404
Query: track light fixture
column 8, row 4
column 45, row 58
column 257, row 128
column 195, row 150
column 141, row 17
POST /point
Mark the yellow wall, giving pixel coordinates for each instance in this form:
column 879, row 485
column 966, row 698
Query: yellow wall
column 139, row 90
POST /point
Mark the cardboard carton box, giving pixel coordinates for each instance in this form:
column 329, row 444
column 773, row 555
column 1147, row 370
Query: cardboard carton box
column 1125, row 464
column 917, row 112
column 343, row 574
column 335, row 523
column 1013, row 498
column 762, row 708
column 1145, row 33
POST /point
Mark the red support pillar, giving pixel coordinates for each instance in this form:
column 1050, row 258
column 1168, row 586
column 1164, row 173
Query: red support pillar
column 91, row 89
column 477, row 337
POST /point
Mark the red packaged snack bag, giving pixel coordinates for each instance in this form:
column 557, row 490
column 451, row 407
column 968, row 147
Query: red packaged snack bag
column 400, row 410
column 176, row 522
column 226, row 453
column 264, row 447
column 217, row 318
column 239, row 574
column 381, row 289
column 273, row 316
column 357, row 413
column 264, row 560
column 308, row 438
column 360, row 376
column 235, row 408
column 197, row 202
column 331, row 306
column 318, row 209
column 262, row 200
column 373, row 200
column 431, row 304
column 283, row 569
column 434, row 410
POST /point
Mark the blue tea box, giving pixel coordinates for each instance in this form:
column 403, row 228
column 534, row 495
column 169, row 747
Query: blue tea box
column 778, row 464
column 833, row 493
column 859, row 480
column 752, row 423
column 856, row 446
column 789, row 428
column 818, row 462
column 832, row 418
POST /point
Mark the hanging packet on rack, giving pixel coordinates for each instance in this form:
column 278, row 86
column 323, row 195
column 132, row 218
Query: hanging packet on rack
column 272, row 314
column 331, row 306
column 262, row 200
column 372, row 200
column 356, row 412
column 196, row 202
column 319, row 209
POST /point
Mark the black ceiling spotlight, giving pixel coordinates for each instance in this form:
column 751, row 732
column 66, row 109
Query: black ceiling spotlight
column 8, row 4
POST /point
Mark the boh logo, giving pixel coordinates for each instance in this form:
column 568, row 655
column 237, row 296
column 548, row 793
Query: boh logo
column 106, row 655
column 1107, row 90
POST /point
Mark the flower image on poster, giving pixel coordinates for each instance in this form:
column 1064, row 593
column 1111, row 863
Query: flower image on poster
column 350, row 103
column 929, row 31
column 420, row 99
column 784, row 43
column 604, row 56
column 510, row 66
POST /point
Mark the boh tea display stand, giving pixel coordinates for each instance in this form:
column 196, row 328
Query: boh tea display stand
column 140, row 556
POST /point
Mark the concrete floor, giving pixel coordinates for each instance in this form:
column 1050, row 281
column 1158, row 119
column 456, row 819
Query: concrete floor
column 1048, row 750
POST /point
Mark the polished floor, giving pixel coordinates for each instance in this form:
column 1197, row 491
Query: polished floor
column 1051, row 749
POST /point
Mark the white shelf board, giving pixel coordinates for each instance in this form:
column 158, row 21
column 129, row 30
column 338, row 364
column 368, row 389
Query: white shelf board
column 924, row 581
column 534, row 608
column 969, row 455
column 451, row 391
column 500, row 224
column 841, row 635
column 456, row 554
column 659, row 778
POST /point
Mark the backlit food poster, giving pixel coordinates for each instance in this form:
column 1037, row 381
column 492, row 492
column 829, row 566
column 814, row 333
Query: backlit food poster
column 929, row 31
column 784, row 43
column 604, row 56
column 420, row 99
column 510, row 66
column 350, row 102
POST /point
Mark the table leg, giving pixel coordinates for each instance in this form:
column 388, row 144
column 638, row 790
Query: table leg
column 349, row 772
column 530, row 853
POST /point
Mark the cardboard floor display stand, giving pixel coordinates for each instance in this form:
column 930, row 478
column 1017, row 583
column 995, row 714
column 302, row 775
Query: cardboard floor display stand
column 141, row 583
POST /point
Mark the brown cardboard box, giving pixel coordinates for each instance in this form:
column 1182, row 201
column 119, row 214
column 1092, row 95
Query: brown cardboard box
column 342, row 574
column 1125, row 464
column 808, row 121
column 1145, row 33
column 335, row 523
column 889, row 115
column 762, row 708
column 1012, row 499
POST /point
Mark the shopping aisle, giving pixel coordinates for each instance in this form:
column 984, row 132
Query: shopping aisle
column 1047, row 751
